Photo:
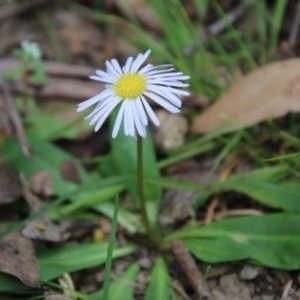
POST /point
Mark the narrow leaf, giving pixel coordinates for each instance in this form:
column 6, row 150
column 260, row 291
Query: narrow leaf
column 45, row 157
column 129, row 220
column 121, row 288
column 273, row 194
column 272, row 240
column 110, row 250
column 54, row 263
column 159, row 287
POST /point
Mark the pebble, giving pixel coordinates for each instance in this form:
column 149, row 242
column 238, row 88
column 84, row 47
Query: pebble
column 145, row 263
column 171, row 132
column 249, row 272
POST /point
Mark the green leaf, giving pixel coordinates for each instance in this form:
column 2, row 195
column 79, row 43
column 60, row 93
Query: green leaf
column 159, row 287
column 46, row 125
column 48, row 208
column 272, row 240
column 110, row 250
column 10, row 283
column 129, row 220
column 273, row 194
column 124, row 151
column 71, row 258
column 46, row 157
column 90, row 199
column 121, row 288
column 262, row 185
column 263, row 174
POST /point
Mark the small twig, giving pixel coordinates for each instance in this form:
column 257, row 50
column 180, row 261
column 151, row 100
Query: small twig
column 188, row 265
column 219, row 26
column 11, row 119
column 211, row 210
column 52, row 68
column 295, row 26
column 179, row 289
column 63, row 81
column 286, row 289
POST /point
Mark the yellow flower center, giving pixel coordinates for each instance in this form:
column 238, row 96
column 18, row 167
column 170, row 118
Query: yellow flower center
column 130, row 86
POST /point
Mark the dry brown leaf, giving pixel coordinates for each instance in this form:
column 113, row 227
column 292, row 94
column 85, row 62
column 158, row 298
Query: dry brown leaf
column 41, row 228
column 69, row 171
column 176, row 205
column 67, row 89
column 10, row 187
column 17, row 258
column 269, row 92
column 41, row 183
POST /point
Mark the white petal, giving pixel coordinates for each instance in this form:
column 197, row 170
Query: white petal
column 96, row 112
column 130, row 118
column 165, row 104
column 128, row 121
column 174, row 100
column 103, row 74
column 167, row 82
column 155, row 87
column 140, row 59
column 98, row 98
column 168, row 76
column 104, row 117
column 165, row 93
column 141, row 111
column 102, row 79
column 154, row 71
column 116, row 66
column 146, row 69
column 127, row 66
column 111, row 69
column 166, row 72
column 150, row 112
column 118, row 120
column 106, row 110
column 89, row 102
column 103, row 106
column 138, row 120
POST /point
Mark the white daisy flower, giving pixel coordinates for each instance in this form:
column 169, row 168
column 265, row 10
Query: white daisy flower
column 131, row 85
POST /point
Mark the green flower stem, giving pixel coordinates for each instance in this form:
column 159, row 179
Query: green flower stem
column 141, row 195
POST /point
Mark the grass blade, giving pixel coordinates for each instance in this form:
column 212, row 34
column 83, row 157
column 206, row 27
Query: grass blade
column 110, row 250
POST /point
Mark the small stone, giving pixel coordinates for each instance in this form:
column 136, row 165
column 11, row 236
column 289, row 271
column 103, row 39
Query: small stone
column 230, row 283
column 145, row 263
column 233, row 287
column 41, row 183
column 249, row 272
column 171, row 132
